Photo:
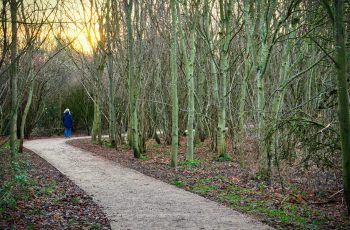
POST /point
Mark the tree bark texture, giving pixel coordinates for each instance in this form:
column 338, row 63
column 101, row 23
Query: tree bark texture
column 343, row 98
column 13, row 74
column 174, row 98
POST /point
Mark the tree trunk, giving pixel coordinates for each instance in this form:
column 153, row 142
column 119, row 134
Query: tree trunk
column 112, row 117
column 225, row 15
column 132, row 84
column 141, row 80
column 28, row 104
column 13, row 74
column 96, row 125
column 248, row 66
column 189, row 67
column 213, row 74
column 343, row 98
column 174, row 99
column 241, row 112
column 264, row 157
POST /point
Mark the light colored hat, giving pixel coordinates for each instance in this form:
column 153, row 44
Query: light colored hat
column 66, row 110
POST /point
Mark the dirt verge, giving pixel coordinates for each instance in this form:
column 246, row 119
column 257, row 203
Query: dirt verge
column 52, row 201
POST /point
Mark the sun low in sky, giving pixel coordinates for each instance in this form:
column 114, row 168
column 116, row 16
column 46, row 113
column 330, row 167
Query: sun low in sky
column 84, row 27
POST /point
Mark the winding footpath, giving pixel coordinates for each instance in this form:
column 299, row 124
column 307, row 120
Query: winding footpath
column 132, row 200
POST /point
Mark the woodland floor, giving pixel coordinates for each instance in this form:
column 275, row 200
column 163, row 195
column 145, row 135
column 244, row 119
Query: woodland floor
column 51, row 201
column 226, row 182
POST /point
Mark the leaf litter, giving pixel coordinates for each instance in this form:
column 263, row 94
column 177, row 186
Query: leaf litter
column 52, row 201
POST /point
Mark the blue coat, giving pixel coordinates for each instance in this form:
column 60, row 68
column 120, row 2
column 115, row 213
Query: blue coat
column 67, row 120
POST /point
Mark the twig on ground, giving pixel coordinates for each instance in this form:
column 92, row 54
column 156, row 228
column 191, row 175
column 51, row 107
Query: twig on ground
column 330, row 198
column 341, row 190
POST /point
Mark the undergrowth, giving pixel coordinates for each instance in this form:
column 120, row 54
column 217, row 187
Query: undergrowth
column 190, row 163
column 13, row 178
column 251, row 200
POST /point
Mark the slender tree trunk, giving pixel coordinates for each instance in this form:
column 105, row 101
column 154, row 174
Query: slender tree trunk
column 264, row 158
column 213, row 72
column 174, row 99
column 140, row 18
column 13, row 74
column 128, row 10
column 343, row 98
column 190, row 86
column 99, row 61
column 277, row 101
column 112, row 118
column 97, row 122
column 311, row 88
column 132, row 83
column 30, row 78
column 28, row 104
column 241, row 113
column 248, row 66
column 96, row 125
column 202, row 92
column 189, row 57
column 225, row 15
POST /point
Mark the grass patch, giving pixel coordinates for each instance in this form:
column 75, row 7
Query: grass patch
column 95, row 227
column 143, row 157
column 205, row 186
column 155, row 145
column 75, row 200
column 107, row 143
column 179, row 184
column 190, row 163
column 288, row 214
column 49, row 188
column 204, row 189
column 232, row 198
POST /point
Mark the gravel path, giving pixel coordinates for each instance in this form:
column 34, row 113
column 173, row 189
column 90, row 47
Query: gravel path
column 132, row 200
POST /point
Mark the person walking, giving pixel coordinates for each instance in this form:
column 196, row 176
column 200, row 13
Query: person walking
column 67, row 121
